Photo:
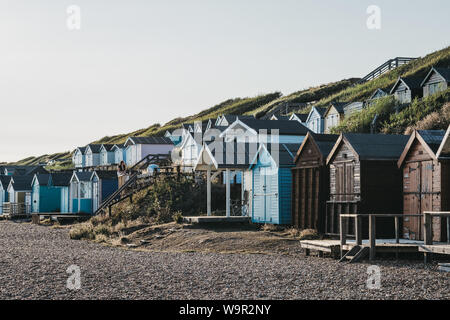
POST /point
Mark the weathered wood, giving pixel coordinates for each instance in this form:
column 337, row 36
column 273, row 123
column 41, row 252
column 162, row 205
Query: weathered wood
column 397, row 229
column 358, row 230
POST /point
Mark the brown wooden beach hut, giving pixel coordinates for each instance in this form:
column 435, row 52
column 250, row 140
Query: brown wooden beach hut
column 310, row 181
column 425, row 163
column 365, row 179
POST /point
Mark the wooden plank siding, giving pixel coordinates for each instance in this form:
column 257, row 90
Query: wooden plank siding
column 426, row 187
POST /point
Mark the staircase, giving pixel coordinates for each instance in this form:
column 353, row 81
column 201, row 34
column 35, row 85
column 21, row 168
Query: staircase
column 389, row 65
column 355, row 254
column 136, row 181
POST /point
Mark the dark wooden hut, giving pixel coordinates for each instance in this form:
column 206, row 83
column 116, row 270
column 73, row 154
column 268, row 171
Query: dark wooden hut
column 310, row 181
column 437, row 80
column 365, row 179
column 425, row 163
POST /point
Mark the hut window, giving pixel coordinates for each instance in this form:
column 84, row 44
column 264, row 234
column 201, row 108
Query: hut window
column 344, row 155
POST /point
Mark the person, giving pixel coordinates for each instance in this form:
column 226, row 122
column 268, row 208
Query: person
column 122, row 173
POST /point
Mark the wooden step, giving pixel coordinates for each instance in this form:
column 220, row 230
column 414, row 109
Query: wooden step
column 445, row 267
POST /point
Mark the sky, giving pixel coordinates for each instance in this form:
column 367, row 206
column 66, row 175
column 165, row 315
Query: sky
column 135, row 63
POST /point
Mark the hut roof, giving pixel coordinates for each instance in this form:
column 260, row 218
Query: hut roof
column 108, row 147
column 83, row 176
column 324, row 143
column 444, row 149
column 95, row 148
column 372, row 146
column 302, row 116
column 286, row 152
column 61, row 179
column 22, row 183
column 284, row 127
column 443, row 72
column 410, row 82
column 106, row 175
column 4, row 181
column 148, row 140
column 431, row 140
column 42, row 179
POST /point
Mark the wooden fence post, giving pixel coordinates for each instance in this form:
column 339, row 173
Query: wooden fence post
column 358, row 230
column 397, row 226
column 427, row 234
column 342, row 232
column 372, row 237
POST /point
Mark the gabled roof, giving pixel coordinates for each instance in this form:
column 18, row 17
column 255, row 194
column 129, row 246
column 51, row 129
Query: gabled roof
column 323, row 142
column 61, row 179
column 284, row 127
column 443, row 72
column 42, row 179
column 365, row 146
column 4, row 181
column 95, row 148
column 286, row 153
column 382, row 92
column 107, row 147
column 118, row 146
column 81, row 176
column 25, row 170
column 429, row 139
column 105, row 175
column 339, row 106
column 410, row 82
column 81, row 149
column 237, row 155
column 148, row 140
column 301, row 116
column 444, row 149
column 319, row 110
column 274, row 117
column 21, row 183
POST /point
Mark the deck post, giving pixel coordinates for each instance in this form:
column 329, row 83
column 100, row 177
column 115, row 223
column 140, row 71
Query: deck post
column 372, row 237
column 427, row 235
column 208, row 191
column 397, row 225
column 358, row 231
column 228, row 192
column 448, row 229
column 343, row 234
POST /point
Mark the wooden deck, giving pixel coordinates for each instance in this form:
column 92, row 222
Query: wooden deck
column 382, row 246
column 216, row 219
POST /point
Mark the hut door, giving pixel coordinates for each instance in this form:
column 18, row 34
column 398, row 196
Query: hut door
column 412, row 200
column 95, row 195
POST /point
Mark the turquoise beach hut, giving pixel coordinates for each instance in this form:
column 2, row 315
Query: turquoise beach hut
column 120, row 153
column 107, row 155
column 4, row 182
column 80, row 192
column 272, row 183
column 104, row 183
column 61, row 181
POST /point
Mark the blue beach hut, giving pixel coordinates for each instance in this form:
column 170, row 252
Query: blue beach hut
column 107, row 155
column 272, row 183
column 4, row 182
column 61, row 182
column 80, row 200
column 104, row 183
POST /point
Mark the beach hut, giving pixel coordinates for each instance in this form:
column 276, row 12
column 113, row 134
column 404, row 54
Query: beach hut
column 137, row 148
column 377, row 94
column 22, row 170
column 315, row 121
column 61, row 181
column 104, row 183
column 119, row 153
column 300, row 117
column 310, row 182
column 426, row 181
column 437, row 80
column 19, row 194
column 353, row 107
column 107, row 156
column 272, row 181
column 79, row 158
column 406, row 89
column 80, row 199
column 333, row 115
column 364, row 179
column 92, row 155
column 44, row 197
column 4, row 183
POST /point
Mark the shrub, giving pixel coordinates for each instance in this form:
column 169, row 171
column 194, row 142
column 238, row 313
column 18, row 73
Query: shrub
column 308, row 234
column 82, row 231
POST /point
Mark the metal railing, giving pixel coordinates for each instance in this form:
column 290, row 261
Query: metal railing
column 11, row 209
column 385, row 67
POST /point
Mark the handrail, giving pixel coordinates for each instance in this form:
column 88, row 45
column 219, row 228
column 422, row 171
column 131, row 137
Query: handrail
column 147, row 160
column 385, row 67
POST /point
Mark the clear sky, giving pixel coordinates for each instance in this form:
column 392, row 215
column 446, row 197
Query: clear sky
column 134, row 63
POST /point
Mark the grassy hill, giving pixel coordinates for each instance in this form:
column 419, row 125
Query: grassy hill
column 390, row 120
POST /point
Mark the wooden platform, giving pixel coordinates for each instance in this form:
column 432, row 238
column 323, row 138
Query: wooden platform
column 435, row 248
column 36, row 217
column 216, row 219
column 382, row 245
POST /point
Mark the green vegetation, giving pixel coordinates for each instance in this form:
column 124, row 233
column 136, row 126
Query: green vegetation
column 344, row 91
